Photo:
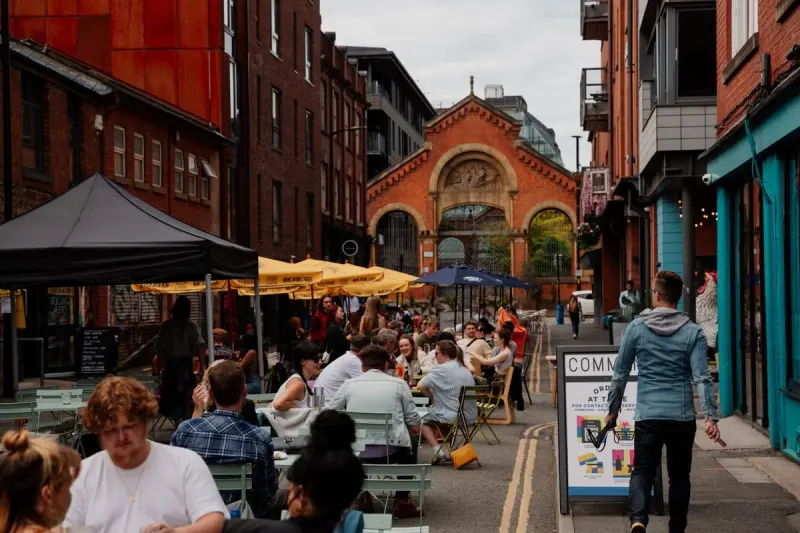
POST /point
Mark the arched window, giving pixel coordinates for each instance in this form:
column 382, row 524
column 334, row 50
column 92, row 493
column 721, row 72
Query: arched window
column 397, row 243
column 473, row 217
column 451, row 252
column 551, row 237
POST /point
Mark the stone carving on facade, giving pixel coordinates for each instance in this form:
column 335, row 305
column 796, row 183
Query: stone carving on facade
column 473, row 175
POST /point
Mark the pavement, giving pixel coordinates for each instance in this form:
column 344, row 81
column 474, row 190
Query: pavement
column 743, row 488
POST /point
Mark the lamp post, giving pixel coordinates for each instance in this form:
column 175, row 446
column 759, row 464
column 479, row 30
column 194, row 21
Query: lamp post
column 578, row 187
column 332, row 175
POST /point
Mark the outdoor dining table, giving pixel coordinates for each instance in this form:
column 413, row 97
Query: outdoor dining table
column 73, row 405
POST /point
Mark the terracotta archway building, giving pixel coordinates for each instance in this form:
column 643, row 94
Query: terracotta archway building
column 473, row 165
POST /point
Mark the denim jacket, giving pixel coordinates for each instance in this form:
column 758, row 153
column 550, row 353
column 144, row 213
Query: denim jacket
column 670, row 352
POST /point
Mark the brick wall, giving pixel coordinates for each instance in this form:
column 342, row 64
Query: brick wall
column 775, row 38
column 286, row 165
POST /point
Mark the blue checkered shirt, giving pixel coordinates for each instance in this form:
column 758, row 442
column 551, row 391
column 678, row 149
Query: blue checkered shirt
column 224, row 438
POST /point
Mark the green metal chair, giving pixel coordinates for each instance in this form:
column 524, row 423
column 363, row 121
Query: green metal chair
column 233, row 478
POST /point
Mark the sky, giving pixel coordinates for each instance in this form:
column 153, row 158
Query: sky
column 531, row 47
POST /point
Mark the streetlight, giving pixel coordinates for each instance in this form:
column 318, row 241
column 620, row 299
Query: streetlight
column 332, row 174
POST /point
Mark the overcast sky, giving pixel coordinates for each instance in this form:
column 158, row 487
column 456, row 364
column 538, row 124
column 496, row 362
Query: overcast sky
column 531, row 47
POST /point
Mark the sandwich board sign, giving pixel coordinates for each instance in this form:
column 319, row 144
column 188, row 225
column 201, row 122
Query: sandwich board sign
column 586, row 473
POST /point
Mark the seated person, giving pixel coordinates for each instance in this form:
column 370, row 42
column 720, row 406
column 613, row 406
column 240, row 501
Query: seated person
column 221, row 348
column 429, row 360
column 295, row 391
column 443, row 384
column 504, row 356
column 345, row 367
column 428, row 335
column 249, row 362
column 323, row 482
column 473, row 346
column 486, row 329
column 409, row 353
column 203, row 402
column 136, row 484
column 377, row 392
column 222, row 437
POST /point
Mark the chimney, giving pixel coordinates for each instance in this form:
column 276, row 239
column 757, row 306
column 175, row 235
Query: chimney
column 493, row 91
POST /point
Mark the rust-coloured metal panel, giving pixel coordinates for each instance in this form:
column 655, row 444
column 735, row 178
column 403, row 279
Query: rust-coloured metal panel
column 215, row 98
column 129, row 66
column 61, row 8
column 127, row 20
column 215, row 24
column 62, row 34
column 29, row 8
column 160, row 29
column 94, row 7
column 161, row 69
column 193, row 82
column 192, row 24
column 28, row 28
column 94, row 41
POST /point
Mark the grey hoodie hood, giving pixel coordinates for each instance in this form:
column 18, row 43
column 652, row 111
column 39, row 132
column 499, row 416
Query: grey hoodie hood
column 664, row 321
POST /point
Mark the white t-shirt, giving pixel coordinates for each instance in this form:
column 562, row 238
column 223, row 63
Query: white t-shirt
column 175, row 487
column 332, row 376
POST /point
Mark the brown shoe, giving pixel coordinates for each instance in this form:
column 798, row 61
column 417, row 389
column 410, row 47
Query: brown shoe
column 406, row 509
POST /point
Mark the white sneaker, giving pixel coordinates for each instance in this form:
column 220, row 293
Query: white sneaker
column 574, row 336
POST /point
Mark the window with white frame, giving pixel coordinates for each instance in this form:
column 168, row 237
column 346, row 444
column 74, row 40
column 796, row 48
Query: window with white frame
column 119, row 151
column 744, row 22
column 138, row 158
column 276, row 118
column 155, row 159
column 179, row 168
column 207, row 172
column 275, row 20
column 192, row 181
column 309, row 51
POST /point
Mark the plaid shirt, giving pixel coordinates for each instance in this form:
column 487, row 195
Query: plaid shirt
column 224, row 438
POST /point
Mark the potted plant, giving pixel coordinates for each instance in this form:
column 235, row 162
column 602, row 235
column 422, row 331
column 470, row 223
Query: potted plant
column 587, row 235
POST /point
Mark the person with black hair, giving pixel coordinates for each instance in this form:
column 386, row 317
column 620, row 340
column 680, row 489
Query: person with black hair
column 323, row 482
column 295, row 391
column 179, row 342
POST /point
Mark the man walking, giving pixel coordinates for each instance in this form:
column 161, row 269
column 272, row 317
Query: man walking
column 670, row 352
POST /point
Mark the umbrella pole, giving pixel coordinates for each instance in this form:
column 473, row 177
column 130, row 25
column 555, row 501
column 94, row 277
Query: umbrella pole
column 12, row 295
column 210, row 319
column 463, row 290
column 259, row 332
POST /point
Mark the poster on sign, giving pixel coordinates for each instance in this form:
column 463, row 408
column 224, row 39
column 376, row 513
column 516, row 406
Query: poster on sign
column 585, row 472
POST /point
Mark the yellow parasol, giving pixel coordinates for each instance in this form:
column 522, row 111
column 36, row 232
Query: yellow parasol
column 179, row 287
column 273, row 273
column 271, row 291
column 392, row 282
column 337, row 275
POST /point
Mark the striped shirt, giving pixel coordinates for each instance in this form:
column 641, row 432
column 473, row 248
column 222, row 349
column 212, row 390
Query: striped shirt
column 445, row 382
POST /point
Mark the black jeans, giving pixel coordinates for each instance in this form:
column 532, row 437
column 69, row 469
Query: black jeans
column 575, row 318
column 649, row 437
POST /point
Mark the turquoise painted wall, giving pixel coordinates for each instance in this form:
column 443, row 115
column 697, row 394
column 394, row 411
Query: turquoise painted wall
column 776, row 135
column 725, row 306
column 670, row 235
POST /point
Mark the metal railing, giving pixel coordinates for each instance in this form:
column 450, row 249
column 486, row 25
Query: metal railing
column 594, row 94
column 594, row 12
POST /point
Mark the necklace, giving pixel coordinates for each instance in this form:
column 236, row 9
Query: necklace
column 131, row 494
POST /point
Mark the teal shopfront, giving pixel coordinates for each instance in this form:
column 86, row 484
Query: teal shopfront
column 754, row 169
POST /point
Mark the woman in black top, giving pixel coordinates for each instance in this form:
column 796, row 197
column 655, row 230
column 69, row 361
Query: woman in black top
column 323, row 482
column 336, row 342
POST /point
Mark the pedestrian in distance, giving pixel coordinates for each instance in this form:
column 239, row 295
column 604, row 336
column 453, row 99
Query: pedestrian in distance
column 670, row 353
column 574, row 309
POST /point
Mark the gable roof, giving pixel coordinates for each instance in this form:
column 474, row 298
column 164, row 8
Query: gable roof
column 481, row 102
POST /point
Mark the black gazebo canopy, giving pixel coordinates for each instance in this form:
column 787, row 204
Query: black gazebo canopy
column 99, row 234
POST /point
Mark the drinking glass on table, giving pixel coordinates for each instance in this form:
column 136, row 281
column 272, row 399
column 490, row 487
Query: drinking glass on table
column 400, row 369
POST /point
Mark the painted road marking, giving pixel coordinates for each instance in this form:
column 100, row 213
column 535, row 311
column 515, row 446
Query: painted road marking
column 527, row 487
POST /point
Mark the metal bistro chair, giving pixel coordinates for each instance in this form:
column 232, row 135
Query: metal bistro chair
column 386, row 478
column 29, row 395
column 20, row 412
column 233, row 478
column 488, row 406
column 374, row 424
column 261, row 399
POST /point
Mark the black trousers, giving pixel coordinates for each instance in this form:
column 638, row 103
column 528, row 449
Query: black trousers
column 649, row 437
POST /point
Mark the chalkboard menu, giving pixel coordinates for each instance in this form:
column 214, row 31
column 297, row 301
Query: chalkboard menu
column 99, row 350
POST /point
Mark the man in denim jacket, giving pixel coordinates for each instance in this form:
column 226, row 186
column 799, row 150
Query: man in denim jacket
column 670, row 351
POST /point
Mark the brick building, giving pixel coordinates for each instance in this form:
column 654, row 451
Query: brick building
column 753, row 169
column 649, row 109
column 69, row 122
column 277, row 50
column 343, row 122
column 476, row 193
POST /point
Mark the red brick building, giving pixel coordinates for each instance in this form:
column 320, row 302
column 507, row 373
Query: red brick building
column 69, row 122
column 476, row 193
column 343, row 121
column 277, row 53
